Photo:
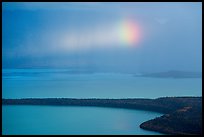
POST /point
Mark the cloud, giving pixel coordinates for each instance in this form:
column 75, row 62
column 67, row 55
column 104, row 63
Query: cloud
column 116, row 34
column 110, row 35
column 53, row 5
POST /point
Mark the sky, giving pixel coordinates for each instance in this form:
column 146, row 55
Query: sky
column 107, row 37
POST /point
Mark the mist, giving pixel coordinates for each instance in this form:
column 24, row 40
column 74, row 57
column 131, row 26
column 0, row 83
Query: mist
column 97, row 36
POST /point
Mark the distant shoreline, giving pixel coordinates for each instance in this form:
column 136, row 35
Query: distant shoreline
column 172, row 74
column 175, row 110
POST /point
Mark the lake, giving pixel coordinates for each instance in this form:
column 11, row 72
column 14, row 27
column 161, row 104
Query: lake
column 37, row 120
column 72, row 83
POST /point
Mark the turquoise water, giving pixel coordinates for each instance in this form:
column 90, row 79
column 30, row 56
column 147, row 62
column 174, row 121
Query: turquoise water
column 22, row 83
column 71, row 83
column 21, row 120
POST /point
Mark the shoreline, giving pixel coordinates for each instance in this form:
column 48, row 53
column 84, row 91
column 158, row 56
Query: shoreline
column 172, row 107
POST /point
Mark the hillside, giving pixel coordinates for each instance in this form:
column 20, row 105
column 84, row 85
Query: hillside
column 173, row 74
column 182, row 115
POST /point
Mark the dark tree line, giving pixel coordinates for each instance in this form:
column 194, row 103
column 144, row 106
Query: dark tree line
column 183, row 115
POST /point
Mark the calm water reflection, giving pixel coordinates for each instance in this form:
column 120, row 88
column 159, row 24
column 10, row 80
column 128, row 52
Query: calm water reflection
column 73, row 120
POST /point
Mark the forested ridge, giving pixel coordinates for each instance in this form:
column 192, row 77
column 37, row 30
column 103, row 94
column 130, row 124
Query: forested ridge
column 182, row 115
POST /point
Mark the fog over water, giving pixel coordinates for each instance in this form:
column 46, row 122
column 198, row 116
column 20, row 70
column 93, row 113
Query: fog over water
column 96, row 50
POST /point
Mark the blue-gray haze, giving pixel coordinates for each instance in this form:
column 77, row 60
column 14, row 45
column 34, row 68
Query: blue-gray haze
column 171, row 41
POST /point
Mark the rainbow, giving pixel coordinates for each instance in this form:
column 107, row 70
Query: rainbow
column 123, row 33
column 128, row 33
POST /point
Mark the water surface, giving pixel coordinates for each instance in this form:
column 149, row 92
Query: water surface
column 73, row 83
column 36, row 120
column 23, row 83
